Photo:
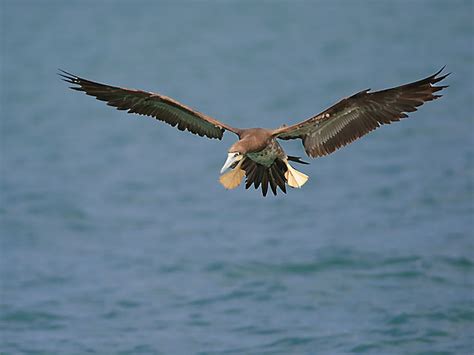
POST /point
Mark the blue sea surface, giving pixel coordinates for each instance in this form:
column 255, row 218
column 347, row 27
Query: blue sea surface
column 117, row 238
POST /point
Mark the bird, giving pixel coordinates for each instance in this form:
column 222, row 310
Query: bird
column 258, row 155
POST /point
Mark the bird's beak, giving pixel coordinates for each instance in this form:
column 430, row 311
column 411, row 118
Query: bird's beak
column 231, row 159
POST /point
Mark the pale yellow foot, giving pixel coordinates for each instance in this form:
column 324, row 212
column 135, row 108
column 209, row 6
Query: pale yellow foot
column 233, row 178
column 294, row 177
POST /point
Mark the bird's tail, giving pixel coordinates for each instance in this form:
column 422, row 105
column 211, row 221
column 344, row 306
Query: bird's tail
column 276, row 176
column 260, row 175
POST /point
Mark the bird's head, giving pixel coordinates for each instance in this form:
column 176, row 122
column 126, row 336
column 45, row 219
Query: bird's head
column 233, row 157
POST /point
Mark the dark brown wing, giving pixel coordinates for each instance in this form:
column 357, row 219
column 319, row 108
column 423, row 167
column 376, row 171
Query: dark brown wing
column 355, row 116
column 150, row 104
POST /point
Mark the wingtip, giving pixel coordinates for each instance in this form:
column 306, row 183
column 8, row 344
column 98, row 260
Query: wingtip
column 65, row 72
column 68, row 77
column 65, row 77
column 436, row 79
column 439, row 72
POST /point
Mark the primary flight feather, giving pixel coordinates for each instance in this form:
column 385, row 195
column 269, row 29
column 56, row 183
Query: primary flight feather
column 257, row 154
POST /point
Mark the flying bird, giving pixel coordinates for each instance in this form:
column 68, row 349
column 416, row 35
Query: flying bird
column 258, row 155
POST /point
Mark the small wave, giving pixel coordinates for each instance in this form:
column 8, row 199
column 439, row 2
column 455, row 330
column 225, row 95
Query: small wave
column 237, row 294
column 29, row 316
column 458, row 262
column 31, row 320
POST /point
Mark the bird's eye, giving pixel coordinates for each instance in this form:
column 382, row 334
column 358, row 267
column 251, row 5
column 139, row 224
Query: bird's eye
column 236, row 155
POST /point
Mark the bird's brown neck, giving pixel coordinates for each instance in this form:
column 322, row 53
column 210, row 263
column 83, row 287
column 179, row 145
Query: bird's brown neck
column 251, row 140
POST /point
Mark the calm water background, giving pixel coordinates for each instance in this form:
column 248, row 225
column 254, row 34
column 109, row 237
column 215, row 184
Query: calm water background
column 117, row 238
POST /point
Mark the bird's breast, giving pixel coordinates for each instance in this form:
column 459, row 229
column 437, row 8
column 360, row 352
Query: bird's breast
column 267, row 155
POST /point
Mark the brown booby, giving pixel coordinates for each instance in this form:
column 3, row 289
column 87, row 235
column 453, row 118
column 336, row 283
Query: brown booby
column 257, row 154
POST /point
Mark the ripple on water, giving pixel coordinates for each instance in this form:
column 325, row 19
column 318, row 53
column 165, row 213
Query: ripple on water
column 236, row 294
column 462, row 263
column 32, row 319
column 319, row 264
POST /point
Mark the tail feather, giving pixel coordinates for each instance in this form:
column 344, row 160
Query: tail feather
column 271, row 180
column 279, row 176
column 276, row 176
column 297, row 160
column 251, row 172
column 258, row 175
column 265, row 182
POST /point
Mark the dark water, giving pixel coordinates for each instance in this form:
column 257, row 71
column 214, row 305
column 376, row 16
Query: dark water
column 117, row 238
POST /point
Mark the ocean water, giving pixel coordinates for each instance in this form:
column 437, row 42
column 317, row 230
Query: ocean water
column 116, row 237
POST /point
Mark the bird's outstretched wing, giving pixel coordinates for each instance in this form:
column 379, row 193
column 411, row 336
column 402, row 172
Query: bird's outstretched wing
column 150, row 104
column 357, row 115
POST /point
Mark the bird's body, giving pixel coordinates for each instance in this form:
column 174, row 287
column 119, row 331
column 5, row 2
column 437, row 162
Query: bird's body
column 267, row 155
column 259, row 145
column 257, row 154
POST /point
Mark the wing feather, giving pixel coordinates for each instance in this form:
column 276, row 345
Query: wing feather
column 359, row 114
column 161, row 107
